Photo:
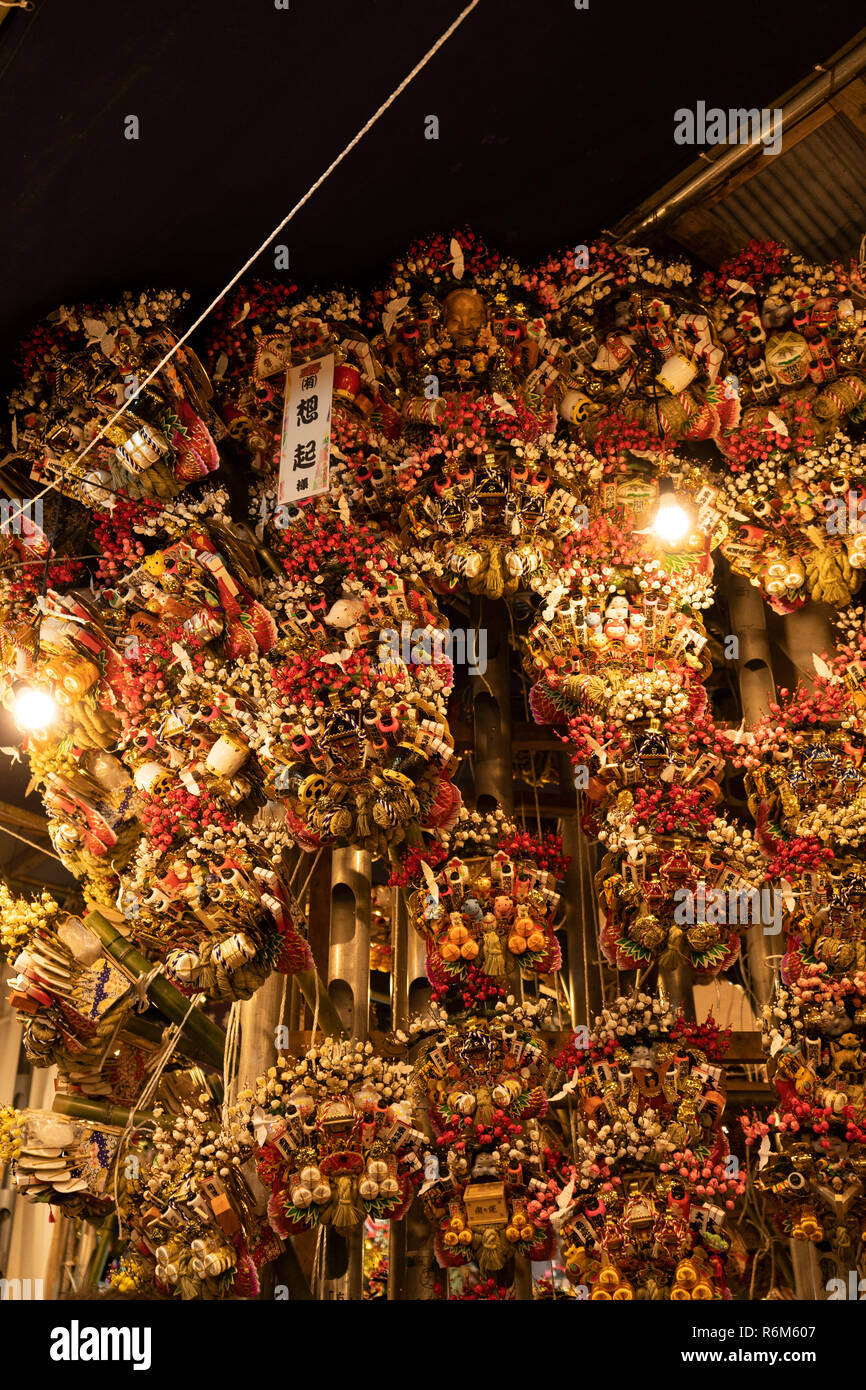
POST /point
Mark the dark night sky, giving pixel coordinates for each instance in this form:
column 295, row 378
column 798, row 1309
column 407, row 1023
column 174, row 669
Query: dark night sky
column 554, row 123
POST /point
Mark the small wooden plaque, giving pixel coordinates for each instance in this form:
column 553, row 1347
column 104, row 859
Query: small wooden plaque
column 485, row 1205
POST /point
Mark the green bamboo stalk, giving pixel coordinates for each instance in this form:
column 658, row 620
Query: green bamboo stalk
column 99, row 1258
column 201, row 1031
column 413, row 835
column 310, row 984
column 152, row 1029
column 114, row 1116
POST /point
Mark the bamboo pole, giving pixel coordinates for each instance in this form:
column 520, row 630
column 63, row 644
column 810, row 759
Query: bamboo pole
column 54, row 1270
column 311, row 985
column 400, row 930
column 581, row 927
column 200, row 1030
column 491, row 703
column 152, row 1030
column 111, row 1116
column 99, row 1258
column 677, row 987
column 493, row 767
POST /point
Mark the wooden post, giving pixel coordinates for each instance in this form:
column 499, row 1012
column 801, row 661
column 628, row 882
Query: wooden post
column 678, row 988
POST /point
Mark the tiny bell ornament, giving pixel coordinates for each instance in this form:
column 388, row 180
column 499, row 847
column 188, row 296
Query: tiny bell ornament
column 646, row 1213
column 811, row 1149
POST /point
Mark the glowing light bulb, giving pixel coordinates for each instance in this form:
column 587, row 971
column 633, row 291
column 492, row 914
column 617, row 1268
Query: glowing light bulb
column 33, row 708
column 672, row 522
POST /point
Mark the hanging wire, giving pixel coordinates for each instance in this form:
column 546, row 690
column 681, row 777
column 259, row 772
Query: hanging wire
column 347, row 149
column 49, row 854
column 146, row 1093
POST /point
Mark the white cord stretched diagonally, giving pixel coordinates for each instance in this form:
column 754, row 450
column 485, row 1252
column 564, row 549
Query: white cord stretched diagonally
column 147, row 1091
column 431, row 52
column 231, row 1058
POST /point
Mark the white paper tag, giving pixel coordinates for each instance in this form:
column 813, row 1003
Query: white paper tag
column 305, row 443
column 189, row 782
column 563, row 1204
column 429, row 878
column 392, row 312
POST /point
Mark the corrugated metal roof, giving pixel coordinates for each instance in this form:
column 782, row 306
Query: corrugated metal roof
column 813, row 197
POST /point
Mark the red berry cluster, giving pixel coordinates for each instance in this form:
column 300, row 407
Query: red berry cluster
column 757, row 264
column 463, row 1130
column 119, row 548
column 485, row 1289
column 172, row 815
column 259, row 301
column 707, row 1036
column 321, row 543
